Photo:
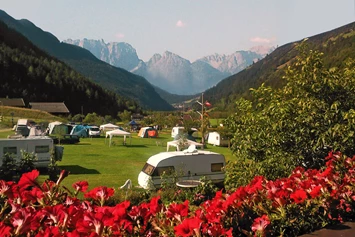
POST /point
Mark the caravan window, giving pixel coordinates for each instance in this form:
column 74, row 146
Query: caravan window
column 148, row 169
column 41, row 149
column 216, row 167
column 160, row 170
column 10, row 150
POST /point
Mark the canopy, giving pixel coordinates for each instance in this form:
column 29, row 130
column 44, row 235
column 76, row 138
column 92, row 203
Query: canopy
column 118, row 132
column 108, row 126
column 176, row 144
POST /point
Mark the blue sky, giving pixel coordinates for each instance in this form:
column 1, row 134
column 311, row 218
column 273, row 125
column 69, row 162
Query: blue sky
column 189, row 28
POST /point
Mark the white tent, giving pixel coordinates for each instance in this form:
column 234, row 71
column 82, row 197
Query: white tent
column 118, row 132
column 177, row 145
column 108, row 126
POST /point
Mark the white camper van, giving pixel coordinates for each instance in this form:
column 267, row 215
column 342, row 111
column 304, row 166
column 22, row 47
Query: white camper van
column 190, row 165
column 216, row 139
column 40, row 145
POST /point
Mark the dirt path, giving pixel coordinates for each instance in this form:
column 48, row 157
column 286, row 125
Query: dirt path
column 346, row 229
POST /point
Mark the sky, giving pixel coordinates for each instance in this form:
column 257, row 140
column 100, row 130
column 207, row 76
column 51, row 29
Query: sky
column 190, row 28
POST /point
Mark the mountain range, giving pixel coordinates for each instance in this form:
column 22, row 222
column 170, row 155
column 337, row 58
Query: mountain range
column 337, row 45
column 169, row 71
column 112, row 78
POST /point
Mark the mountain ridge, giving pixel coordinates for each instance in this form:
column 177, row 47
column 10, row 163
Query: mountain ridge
column 30, row 73
column 337, row 45
column 174, row 73
column 116, row 79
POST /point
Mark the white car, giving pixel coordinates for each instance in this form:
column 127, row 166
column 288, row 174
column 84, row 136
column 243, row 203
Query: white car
column 94, row 131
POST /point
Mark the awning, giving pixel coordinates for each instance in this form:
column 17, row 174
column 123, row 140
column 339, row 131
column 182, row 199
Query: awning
column 176, row 144
column 118, row 132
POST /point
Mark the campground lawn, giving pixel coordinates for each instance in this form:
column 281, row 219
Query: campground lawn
column 94, row 161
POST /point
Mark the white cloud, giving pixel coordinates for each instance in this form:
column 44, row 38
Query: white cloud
column 119, row 35
column 179, row 23
column 261, row 40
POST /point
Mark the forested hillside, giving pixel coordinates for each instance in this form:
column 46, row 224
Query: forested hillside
column 116, row 79
column 30, row 73
column 337, row 45
column 173, row 98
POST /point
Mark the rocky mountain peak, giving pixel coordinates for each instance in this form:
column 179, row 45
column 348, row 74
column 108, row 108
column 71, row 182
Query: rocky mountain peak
column 262, row 49
column 119, row 54
column 170, row 71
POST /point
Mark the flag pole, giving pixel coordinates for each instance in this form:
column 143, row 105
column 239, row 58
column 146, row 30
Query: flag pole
column 202, row 127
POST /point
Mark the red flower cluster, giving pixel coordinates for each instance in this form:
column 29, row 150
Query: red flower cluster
column 261, row 208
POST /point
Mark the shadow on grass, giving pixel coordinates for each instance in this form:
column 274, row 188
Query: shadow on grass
column 140, row 146
column 77, row 169
column 82, row 143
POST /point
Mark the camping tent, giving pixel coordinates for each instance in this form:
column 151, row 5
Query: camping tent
column 134, row 126
column 108, row 126
column 52, row 125
column 58, row 128
column 118, row 132
column 147, row 132
column 177, row 145
column 216, row 139
column 80, row 130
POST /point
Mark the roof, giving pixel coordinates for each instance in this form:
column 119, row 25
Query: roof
column 15, row 102
column 109, row 126
column 155, row 159
column 50, row 107
column 117, row 132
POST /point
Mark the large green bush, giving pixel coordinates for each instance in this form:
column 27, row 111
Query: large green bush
column 279, row 129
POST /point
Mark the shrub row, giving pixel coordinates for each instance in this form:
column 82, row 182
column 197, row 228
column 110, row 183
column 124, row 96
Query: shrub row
column 306, row 200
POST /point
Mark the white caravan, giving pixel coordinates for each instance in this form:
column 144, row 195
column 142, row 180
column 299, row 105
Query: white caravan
column 40, row 145
column 216, row 139
column 187, row 165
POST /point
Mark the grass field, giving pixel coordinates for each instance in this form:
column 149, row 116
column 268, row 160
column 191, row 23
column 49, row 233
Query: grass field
column 94, row 161
column 10, row 115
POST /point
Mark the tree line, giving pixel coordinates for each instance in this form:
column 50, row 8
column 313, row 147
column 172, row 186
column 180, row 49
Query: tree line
column 29, row 73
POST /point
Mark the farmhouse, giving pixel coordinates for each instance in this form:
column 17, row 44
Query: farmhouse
column 14, row 102
column 57, row 108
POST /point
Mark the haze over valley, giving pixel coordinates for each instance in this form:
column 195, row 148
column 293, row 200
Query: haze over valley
column 171, row 72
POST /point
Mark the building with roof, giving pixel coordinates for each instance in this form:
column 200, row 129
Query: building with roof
column 57, row 108
column 13, row 102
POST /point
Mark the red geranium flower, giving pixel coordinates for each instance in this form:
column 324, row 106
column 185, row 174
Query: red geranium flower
column 5, row 230
column 32, row 195
column 155, row 205
column 188, row 227
column 49, row 231
column 81, row 186
column 178, row 210
column 28, row 179
column 21, row 220
column 63, row 174
column 100, row 193
column 298, row 196
column 260, row 225
column 315, row 191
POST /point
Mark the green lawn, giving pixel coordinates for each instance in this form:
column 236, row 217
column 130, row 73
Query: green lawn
column 216, row 122
column 94, row 161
